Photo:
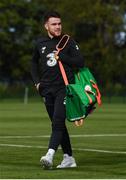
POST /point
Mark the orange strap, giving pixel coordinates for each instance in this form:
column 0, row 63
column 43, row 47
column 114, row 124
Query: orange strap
column 63, row 73
column 66, row 37
column 98, row 96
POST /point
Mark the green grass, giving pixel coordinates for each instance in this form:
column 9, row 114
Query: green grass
column 25, row 124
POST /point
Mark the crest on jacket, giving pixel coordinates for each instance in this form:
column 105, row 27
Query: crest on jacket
column 51, row 59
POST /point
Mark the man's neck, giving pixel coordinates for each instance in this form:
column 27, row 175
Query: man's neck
column 51, row 36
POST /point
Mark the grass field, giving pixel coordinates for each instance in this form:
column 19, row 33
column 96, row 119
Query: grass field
column 99, row 146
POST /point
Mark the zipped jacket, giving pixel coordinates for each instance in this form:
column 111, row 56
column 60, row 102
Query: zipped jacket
column 44, row 67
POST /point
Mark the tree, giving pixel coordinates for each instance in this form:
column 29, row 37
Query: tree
column 94, row 24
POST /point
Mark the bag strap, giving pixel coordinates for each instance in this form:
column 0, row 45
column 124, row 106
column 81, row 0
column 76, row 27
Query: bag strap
column 63, row 73
column 60, row 46
column 98, row 96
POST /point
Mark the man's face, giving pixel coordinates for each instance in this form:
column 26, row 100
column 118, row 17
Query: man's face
column 53, row 26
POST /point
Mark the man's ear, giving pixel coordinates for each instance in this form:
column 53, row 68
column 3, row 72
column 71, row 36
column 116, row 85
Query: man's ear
column 46, row 26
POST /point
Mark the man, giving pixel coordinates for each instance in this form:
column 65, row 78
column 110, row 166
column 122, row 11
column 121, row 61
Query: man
column 49, row 82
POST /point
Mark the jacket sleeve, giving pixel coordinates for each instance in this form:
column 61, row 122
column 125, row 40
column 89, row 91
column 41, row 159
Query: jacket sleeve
column 35, row 65
column 74, row 58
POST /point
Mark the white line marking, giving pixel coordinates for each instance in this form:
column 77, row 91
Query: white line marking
column 21, row 137
column 76, row 149
column 98, row 135
column 74, row 136
column 23, row 146
column 101, row 151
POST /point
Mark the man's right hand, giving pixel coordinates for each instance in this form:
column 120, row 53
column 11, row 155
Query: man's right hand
column 79, row 123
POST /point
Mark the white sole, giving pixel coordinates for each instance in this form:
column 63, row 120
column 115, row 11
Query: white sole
column 72, row 166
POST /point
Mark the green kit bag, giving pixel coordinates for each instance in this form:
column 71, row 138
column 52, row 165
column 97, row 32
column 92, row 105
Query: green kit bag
column 82, row 96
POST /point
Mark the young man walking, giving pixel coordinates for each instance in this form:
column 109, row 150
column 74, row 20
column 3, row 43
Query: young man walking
column 49, row 82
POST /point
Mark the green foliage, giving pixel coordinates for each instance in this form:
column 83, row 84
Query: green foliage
column 92, row 23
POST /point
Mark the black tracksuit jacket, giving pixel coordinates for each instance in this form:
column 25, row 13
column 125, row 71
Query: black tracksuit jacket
column 44, row 67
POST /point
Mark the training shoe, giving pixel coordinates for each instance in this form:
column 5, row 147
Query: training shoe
column 67, row 162
column 47, row 161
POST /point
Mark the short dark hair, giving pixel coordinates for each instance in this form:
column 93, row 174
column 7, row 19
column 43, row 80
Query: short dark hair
column 50, row 14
